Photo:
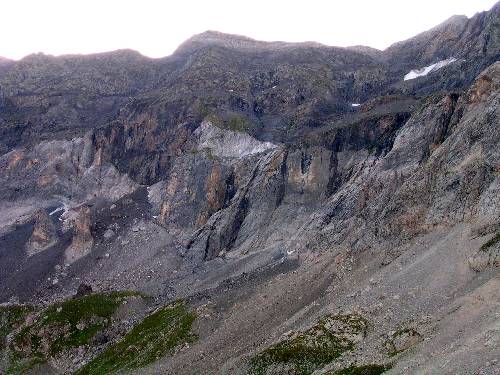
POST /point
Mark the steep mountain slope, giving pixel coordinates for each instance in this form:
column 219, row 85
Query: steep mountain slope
column 303, row 234
column 278, row 87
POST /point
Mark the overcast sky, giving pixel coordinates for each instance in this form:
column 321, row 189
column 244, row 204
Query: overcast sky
column 155, row 28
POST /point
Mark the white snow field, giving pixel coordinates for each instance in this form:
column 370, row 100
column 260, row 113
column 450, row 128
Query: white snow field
column 428, row 69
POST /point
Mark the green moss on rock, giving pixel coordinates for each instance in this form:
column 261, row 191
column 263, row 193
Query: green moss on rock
column 215, row 120
column 237, row 123
column 64, row 325
column 156, row 336
column 21, row 367
column 491, row 242
column 10, row 318
column 307, row 351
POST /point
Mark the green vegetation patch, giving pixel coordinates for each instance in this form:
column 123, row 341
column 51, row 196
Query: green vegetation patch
column 62, row 326
column 493, row 241
column 12, row 317
column 237, row 123
column 371, row 369
column 21, row 367
column 307, row 351
column 156, row 336
column 215, row 120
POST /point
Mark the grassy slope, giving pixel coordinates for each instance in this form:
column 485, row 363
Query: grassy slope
column 156, row 336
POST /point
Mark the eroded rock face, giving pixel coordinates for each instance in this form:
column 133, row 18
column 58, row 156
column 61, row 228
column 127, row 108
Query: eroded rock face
column 61, row 168
column 225, row 143
column 439, row 179
column 44, row 233
column 50, row 179
column 288, row 183
column 82, row 241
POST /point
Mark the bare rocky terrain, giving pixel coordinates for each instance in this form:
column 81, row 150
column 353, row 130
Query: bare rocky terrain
column 245, row 207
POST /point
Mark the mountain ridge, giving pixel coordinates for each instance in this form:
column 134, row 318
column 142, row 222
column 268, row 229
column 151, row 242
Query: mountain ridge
column 344, row 75
column 217, row 36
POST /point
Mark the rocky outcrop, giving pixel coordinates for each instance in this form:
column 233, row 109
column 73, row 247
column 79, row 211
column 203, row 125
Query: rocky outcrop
column 82, row 241
column 402, row 340
column 289, row 183
column 487, row 256
column 224, row 143
column 446, row 175
column 457, row 37
column 61, row 168
column 44, row 233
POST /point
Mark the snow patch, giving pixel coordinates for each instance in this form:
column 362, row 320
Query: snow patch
column 428, row 69
column 65, row 208
column 355, row 104
column 56, row 210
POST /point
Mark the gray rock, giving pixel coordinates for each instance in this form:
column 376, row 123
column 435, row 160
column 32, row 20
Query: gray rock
column 108, row 234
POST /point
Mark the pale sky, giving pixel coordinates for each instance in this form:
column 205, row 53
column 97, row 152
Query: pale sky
column 155, row 28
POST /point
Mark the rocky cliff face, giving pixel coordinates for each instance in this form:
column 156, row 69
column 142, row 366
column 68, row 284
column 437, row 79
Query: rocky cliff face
column 307, row 233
